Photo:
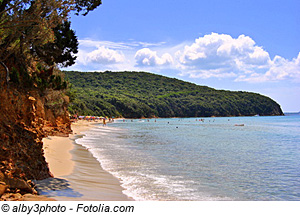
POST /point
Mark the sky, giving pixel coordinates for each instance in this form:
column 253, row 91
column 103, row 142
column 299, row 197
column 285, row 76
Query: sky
column 238, row 45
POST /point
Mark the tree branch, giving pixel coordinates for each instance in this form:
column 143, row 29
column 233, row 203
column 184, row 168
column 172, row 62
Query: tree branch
column 7, row 72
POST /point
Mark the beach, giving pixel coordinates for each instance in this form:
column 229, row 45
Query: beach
column 77, row 175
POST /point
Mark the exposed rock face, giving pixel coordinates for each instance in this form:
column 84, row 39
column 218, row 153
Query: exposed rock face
column 3, row 188
column 26, row 116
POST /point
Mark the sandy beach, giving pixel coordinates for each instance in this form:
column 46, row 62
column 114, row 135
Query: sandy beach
column 77, row 174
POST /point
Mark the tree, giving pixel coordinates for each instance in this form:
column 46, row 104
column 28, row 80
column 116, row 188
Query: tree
column 85, row 6
column 62, row 50
column 28, row 23
column 29, row 27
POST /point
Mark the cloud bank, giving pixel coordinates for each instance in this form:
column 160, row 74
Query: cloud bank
column 221, row 56
column 211, row 56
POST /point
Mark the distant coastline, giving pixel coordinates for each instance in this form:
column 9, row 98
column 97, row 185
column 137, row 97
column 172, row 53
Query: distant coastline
column 291, row 113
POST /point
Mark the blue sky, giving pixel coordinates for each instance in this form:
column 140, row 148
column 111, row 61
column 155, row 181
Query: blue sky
column 233, row 45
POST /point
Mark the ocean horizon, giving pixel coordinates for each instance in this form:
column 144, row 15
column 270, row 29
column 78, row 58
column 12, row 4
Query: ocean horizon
column 213, row 158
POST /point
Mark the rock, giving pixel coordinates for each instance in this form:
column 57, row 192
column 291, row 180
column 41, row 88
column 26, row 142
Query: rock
column 40, row 121
column 12, row 197
column 3, row 188
column 15, row 183
column 2, row 177
column 31, row 98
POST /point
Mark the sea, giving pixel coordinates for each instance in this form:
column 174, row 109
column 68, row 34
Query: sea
column 187, row 159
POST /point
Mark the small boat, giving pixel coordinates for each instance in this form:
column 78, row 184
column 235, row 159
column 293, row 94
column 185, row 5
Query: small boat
column 239, row 125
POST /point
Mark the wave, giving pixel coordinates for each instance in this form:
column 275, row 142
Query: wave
column 138, row 172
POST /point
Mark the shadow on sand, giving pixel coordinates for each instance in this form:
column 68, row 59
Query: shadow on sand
column 52, row 187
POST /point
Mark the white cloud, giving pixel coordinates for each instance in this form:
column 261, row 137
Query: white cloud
column 105, row 55
column 221, row 56
column 102, row 55
column 279, row 69
column 99, row 56
column 210, row 56
column 118, row 45
column 147, row 57
column 94, row 43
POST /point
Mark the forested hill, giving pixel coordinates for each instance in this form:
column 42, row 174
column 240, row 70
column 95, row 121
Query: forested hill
column 141, row 94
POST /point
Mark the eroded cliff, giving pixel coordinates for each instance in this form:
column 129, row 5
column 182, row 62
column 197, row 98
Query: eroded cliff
column 26, row 116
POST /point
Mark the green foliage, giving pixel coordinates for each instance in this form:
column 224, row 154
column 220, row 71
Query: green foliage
column 34, row 32
column 15, row 76
column 62, row 50
column 42, row 79
column 71, row 93
column 26, row 79
column 85, row 6
column 140, row 94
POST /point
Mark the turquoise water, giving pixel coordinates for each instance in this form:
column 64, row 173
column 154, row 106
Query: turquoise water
column 189, row 159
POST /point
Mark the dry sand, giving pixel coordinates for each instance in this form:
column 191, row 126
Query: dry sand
column 58, row 156
column 77, row 174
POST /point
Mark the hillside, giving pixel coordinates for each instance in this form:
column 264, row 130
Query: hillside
column 141, row 94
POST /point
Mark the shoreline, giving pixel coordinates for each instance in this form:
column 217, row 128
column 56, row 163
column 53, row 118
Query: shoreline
column 78, row 176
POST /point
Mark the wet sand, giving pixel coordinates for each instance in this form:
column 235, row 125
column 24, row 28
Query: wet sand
column 78, row 176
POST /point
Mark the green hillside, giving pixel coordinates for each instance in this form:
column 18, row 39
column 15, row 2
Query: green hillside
column 141, row 94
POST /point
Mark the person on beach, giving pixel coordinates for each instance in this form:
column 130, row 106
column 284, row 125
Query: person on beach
column 104, row 123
